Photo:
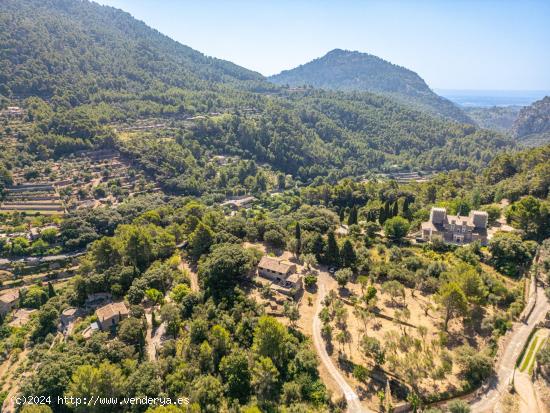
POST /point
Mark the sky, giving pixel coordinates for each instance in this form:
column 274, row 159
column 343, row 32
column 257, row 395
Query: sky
column 460, row 44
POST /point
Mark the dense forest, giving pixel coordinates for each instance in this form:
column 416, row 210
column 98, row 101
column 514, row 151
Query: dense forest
column 354, row 71
column 498, row 118
column 75, row 50
column 532, row 125
column 159, row 143
column 95, row 63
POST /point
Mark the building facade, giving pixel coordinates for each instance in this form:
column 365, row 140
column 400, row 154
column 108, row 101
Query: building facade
column 455, row 229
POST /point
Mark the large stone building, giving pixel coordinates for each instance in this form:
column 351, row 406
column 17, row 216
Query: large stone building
column 455, row 229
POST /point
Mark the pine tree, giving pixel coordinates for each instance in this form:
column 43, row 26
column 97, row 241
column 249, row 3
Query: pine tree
column 395, row 210
column 341, row 215
column 200, row 240
column 332, row 255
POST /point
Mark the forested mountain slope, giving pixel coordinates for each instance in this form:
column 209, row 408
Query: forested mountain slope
column 97, row 67
column 527, row 172
column 497, row 118
column 75, row 48
column 533, row 122
column 354, row 71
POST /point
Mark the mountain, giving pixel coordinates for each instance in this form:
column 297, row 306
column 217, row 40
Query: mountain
column 76, row 48
column 532, row 125
column 497, row 118
column 97, row 70
column 355, row 71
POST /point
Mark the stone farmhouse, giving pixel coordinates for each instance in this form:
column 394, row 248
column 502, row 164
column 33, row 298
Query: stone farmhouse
column 455, row 229
column 282, row 273
column 111, row 314
column 8, row 301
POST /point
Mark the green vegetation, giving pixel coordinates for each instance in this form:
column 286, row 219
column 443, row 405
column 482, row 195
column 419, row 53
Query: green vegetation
column 204, row 133
column 497, row 118
column 354, row 71
column 309, row 134
column 532, row 125
column 526, row 362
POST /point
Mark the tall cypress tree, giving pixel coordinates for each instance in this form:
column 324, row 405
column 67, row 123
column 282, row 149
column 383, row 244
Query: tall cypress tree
column 348, row 258
column 318, row 247
column 51, row 290
column 382, row 215
column 406, row 203
column 298, row 236
column 395, row 210
column 352, row 219
column 332, row 255
column 387, row 210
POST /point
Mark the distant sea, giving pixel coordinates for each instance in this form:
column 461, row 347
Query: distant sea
column 488, row 98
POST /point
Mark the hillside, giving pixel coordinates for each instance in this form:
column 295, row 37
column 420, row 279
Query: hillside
column 99, row 70
column 178, row 234
column 532, row 125
column 355, row 71
column 498, row 118
column 526, row 172
column 75, row 49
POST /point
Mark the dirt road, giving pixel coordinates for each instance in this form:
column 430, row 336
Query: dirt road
column 193, row 277
column 354, row 404
column 153, row 340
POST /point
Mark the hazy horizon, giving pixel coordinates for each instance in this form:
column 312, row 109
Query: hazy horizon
column 490, row 98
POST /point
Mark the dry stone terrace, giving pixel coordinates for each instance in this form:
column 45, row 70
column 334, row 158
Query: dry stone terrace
column 85, row 179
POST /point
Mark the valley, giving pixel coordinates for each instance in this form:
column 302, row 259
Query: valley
column 334, row 238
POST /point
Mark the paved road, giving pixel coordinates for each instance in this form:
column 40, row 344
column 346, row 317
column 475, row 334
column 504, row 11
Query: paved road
column 354, row 404
column 489, row 400
column 523, row 384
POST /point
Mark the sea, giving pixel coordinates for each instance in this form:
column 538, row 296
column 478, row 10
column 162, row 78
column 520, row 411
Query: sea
column 489, row 98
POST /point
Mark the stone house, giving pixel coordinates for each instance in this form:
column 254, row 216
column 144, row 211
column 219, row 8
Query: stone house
column 275, row 269
column 455, row 229
column 111, row 314
column 281, row 272
column 8, row 301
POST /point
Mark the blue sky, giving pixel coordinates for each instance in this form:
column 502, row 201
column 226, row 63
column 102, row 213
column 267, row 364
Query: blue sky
column 462, row 44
